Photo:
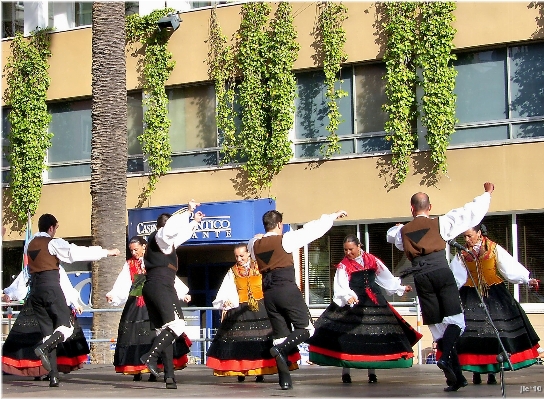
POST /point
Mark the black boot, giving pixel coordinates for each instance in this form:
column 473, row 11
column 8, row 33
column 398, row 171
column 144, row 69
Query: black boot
column 43, row 350
column 54, row 380
column 162, row 341
column 281, row 351
column 461, row 381
column 476, row 378
column 167, row 356
column 448, row 343
column 285, row 380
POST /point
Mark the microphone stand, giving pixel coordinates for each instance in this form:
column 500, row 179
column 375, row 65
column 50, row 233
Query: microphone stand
column 503, row 355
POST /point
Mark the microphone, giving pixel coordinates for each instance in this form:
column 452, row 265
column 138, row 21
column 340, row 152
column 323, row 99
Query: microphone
column 457, row 246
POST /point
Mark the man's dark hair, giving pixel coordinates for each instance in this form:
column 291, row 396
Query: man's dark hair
column 420, row 202
column 46, row 221
column 271, row 220
column 161, row 220
column 240, row 245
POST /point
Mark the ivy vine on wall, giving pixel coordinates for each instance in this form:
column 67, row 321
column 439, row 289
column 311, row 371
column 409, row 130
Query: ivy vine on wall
column 419, row 36
column 434, row 57
column 158, row 65
column 265, row 56
column 221, row 62
column 400, row 87
column 333, row 38
column 27, row 81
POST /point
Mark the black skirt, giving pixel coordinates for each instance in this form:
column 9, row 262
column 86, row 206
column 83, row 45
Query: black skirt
column 242, row 344
column 479, row 346
column 135, row 337
column 371, row 334
column 18, row 355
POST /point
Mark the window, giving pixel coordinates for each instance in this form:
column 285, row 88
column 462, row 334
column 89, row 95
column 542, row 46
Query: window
column 363, row 120
column 530, row 234
column 193, row 132
column 70, row 152
column 393, row 258
column 84, row 11
column 6, row 128
column 12, row 18
column 498, row 96
column 311, row 118
column 135, row 117
column 323, row 256
column 370, row 117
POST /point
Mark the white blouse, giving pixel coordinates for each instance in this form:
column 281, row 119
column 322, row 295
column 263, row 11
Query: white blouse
column 121, row 287
column 384, row 278
column 510, row 269
column 18, row 290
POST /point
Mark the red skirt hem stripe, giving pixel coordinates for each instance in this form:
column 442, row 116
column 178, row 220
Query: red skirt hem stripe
column 476, row 359
column 242, row 365
column 360, row 358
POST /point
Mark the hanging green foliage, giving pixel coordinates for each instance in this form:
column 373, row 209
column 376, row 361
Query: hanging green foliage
column 158, row 66
column 434, row 57
column 222, row 66
column 27, row 79
column 400, row 85
column 282, row 54
column 419, row 37
column 265, row 56
column 333, row 37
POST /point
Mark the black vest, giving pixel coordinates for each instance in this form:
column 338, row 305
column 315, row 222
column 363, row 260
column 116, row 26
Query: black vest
column 155, row 258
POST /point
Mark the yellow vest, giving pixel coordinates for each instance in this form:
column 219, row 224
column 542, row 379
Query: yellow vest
column 484, row 272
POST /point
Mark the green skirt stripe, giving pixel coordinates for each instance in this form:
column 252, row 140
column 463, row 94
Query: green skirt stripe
column 323, row 360
column 495, row 368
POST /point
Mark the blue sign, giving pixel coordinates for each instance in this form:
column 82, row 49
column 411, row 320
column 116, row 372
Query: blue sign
column 224, row 222
column 81, row 281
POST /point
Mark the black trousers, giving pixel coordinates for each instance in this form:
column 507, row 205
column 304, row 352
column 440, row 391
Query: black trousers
column 49, row 305
column 284, row 302
column 438, row 295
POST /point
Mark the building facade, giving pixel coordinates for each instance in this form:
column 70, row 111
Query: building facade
column 499, row 135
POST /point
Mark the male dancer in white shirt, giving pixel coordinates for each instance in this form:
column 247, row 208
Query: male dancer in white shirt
column 283, row 300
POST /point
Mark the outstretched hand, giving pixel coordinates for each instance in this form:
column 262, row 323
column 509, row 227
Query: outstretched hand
column 199, row 216
column 341, row 214
column 113, row 252
column 489, row 187
column 193, row 204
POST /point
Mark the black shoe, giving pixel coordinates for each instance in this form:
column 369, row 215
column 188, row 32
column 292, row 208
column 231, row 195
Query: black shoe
column 448, row 371
column 170, row 383
column 137, row 377
column 491, row 380
column 459, row 384
column 54, row 382
column 241, row 378
column 44, row 357
column 372, row 379
column 346, row 378
column 259, row 378
column 152, row 378
column 37, row 378
column 476, row 378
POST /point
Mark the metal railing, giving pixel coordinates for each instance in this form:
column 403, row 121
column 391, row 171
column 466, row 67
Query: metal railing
column 205, row 333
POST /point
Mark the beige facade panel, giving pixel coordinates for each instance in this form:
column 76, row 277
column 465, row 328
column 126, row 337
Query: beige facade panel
column 477, row 24
column 361, row 186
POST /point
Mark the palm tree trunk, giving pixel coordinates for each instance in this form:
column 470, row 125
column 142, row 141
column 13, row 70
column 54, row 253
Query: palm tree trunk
column 108, row 161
